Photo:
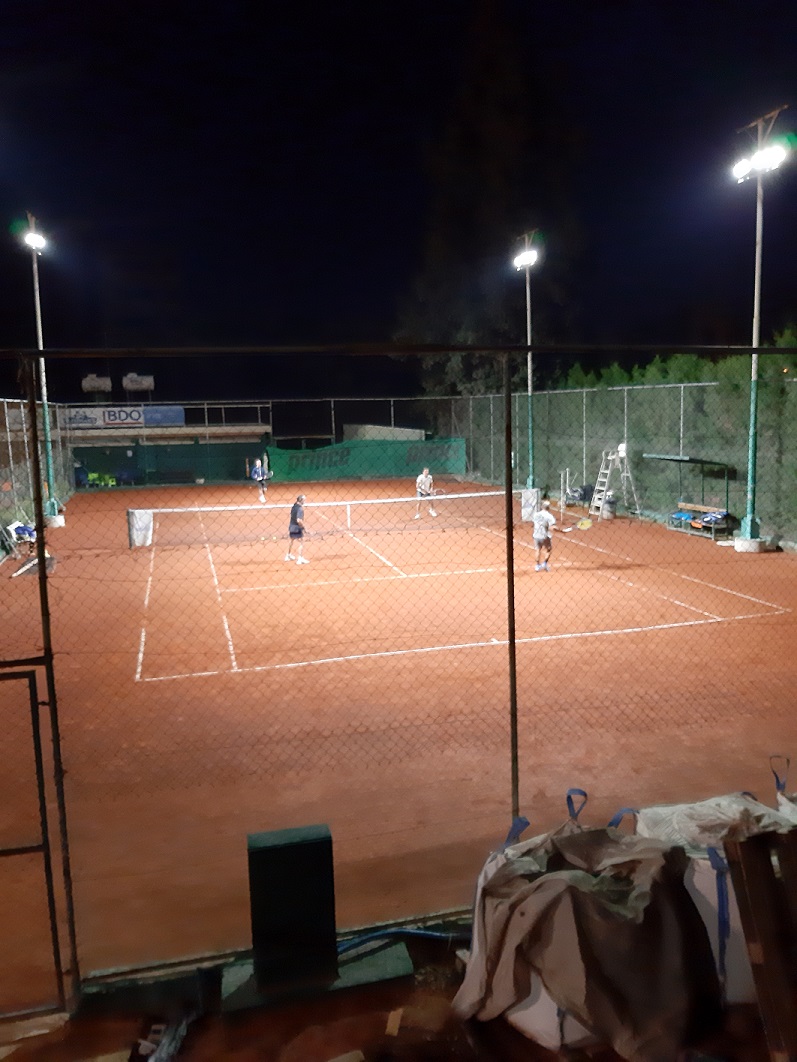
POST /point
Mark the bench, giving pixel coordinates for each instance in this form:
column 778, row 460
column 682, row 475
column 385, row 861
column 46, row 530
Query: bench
column 696, row 519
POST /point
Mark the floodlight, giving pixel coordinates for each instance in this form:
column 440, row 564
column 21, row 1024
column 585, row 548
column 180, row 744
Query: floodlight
column 766, row 159
column 35, row 240
column 525, row 258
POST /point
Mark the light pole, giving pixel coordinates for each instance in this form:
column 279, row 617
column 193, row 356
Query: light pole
column 525, row 260
column 36, row 242
column 767, row 157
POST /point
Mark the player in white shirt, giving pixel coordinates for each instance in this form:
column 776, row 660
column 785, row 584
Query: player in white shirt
column 543, row 522
column 424, row 488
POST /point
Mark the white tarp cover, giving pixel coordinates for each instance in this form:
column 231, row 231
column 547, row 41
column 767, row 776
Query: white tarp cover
column 787, row 806
column 706, row 823
column 605, row 922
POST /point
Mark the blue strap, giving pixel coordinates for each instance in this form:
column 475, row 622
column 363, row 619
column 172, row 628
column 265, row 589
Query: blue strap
column 618, row 816
column 571, row 807
column 519, row 824
column 780, row 783
column 561, row 1015
column 720, row 868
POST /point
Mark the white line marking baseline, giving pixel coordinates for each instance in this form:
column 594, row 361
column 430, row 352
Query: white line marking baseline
column 491, row 644
column 710, row 618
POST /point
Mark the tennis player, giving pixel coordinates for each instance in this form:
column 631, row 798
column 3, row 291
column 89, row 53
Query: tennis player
column 296, row 531
column 543, row 522
column 424, row 488
column 260, row 476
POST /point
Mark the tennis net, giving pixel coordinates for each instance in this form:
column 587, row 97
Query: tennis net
column 221, row 524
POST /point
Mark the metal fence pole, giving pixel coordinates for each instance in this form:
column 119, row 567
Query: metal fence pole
column 681, row 428
column 584, row 436
column 492, row 438
column 510, row 590
column 52, row 701
column 470, row 433
column 11, row 457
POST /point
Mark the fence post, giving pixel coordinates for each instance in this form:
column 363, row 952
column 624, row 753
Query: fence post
column 52, row 702
column 492, row 439
column 510, row 590
column 470, row 432
column 584, row 436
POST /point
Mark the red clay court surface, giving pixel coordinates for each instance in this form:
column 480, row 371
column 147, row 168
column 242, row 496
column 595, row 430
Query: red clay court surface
column 211, row 690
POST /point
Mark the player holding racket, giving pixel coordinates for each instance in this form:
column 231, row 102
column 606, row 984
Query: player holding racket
column 260, row 476
column 296, row 531
column 424, row 488
column 544, row 521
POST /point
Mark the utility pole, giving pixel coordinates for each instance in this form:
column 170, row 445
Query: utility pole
column 526, row 260
column 35, row 242
column 750, row 528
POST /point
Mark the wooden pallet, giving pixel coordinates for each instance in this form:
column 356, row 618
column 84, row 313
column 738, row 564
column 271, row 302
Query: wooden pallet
column 764, row 874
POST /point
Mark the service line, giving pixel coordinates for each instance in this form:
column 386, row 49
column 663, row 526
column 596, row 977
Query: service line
column 429, row 649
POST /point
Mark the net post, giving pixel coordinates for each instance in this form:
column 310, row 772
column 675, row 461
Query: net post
column 139, row 527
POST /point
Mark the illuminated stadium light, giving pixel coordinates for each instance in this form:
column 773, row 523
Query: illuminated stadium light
column 525, row 258
column 35, row 241
column 768, row 158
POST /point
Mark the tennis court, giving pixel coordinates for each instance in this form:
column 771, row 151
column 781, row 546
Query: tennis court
column 209, row 688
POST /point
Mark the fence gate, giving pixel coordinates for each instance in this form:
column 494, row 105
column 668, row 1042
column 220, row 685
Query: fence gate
column 31, row 976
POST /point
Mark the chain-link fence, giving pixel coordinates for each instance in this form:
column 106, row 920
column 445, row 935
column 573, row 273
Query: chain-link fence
column 16, row 462
column 343, row 642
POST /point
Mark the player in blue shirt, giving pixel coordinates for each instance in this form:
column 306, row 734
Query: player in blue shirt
column 296, row 531
column 260, row 476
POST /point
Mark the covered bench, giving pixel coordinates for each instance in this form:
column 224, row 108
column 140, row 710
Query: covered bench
column 696, row 519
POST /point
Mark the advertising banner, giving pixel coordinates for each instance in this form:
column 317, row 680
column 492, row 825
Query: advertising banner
column 366, row 459
column 82, row 418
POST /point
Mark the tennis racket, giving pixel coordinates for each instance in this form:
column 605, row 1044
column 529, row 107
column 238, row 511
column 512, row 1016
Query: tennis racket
column 584, row 524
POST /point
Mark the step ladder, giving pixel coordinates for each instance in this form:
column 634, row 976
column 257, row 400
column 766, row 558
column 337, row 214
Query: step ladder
column 615, row 461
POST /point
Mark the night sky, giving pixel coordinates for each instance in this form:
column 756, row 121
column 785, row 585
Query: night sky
column 235, row 173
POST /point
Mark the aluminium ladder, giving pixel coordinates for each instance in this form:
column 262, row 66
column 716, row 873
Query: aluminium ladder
column 612, row 460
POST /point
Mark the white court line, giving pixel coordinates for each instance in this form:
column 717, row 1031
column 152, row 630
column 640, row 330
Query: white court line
column 143, row 636
column 230, row 646
column 661, row 597
column 736, row 593
column 365, row 545
column 140, row 661
column 668, row 571
column 149, row 578
column 491, row 644
column 690, row 578
column 360, row 579
column 776, row 610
